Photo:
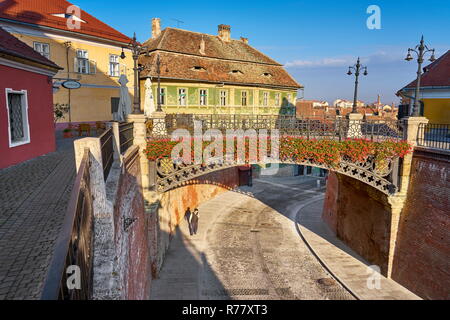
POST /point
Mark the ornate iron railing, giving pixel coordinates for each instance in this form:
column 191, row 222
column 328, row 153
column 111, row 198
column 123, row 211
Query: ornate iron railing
column 107, row 149
column 337, row 128
column 74, row 246
column 126, row 136
column 434, row 136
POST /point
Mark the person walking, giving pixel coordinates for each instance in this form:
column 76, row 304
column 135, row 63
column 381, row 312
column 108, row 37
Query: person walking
column 194, row 221
column 188, row 216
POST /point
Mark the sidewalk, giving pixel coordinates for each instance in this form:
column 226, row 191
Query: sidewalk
column 33, row 201
column 344, row 264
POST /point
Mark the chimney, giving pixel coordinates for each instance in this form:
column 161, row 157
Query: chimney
column 244, row 40
column 224, row 32
column 156, row 27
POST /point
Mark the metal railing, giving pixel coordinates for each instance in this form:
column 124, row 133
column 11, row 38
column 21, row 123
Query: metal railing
column 73, row 254
column 126, row 136
column 107, row 149
column 434, row 136
column 337, row 128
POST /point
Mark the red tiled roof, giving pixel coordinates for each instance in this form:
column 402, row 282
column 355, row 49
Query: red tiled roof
column 11, row 46
column 40, row 12
column 437, row 74
column 180, row 53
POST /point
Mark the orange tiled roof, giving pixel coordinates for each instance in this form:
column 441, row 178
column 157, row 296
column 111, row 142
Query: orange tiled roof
column 11, row 46
column 180, row 51
column 41, row 12
column 437, row 74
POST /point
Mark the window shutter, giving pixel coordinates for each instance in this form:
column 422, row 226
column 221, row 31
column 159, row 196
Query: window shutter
column 92, row 67
column 75, row 65
column 123, row 69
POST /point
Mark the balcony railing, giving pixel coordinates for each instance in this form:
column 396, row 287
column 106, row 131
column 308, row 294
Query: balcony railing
column 434, row 136
column 126, row 136
column 107, row 149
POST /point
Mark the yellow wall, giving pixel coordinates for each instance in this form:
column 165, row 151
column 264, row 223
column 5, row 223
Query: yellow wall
column 87, row 103
column 437, row 110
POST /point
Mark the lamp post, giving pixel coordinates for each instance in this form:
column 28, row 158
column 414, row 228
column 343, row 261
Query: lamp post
column 358, row 67
column 421, row 49
column 136, row 49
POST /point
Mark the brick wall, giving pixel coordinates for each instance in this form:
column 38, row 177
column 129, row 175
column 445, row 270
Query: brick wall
column 174, row 203
column 360, row 216
column 132, row 249
column 422, row 255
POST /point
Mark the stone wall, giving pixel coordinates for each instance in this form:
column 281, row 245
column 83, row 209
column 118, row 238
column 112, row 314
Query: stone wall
column 422, row 255
column 170, row 209
column 360, row 216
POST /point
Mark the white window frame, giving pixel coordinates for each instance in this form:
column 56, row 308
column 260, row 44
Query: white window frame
column 244, row 97
column 278, row 99
column 289, row 97
column 42, row 52
column 90, row 65
column 265, row 98
column 25, row 119
column 184, row 104
column 203, row 99
column 223, row 98
column 116, row 72
column 162, row 97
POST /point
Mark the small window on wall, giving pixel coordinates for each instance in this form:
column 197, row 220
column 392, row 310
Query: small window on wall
column 18, row 126
column 162, row 96
column 114, row 65
column 42, row 48
column 277, row 99
column 223, row 97
column 182, row 97
column 265, row 99
column 289, row 98
column 244, row 98
column 203, row 97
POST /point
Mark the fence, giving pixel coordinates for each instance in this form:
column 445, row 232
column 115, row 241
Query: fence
column 107, row 149
column 434, row 136
column 126, row 136
column 74, row 246
column 337, row 128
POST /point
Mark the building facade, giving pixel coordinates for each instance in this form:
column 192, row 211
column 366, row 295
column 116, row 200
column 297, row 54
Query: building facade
column 208, row 74
column 26, row 102
column 434, row 91
column 87, row 49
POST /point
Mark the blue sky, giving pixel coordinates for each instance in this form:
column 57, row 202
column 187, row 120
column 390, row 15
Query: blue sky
column 316, row 40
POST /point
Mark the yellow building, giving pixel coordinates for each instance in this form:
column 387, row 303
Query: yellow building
column 434, row 91
column 87, row 49
column 214, row 74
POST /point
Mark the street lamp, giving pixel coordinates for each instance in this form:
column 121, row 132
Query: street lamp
column 421, row 49
column 136, row 49
column 357, row 68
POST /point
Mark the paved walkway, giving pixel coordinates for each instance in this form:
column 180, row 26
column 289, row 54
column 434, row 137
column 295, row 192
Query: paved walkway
column 346, row 265
column 247, row 248
column 33, row 200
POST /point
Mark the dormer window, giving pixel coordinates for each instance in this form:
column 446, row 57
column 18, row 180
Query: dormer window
column 235, row 71
column 198, row 68
column 267, row 74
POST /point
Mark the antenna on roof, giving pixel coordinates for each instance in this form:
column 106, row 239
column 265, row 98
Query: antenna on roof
column 178, row 22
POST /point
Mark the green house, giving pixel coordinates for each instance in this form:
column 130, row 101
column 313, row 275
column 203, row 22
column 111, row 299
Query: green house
column 207, row 74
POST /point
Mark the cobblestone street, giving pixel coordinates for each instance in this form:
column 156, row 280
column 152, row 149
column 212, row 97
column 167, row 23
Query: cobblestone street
column 248, row 248
column 33, row 200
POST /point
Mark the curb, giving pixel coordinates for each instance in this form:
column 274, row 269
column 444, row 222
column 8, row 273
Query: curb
column 311, row 249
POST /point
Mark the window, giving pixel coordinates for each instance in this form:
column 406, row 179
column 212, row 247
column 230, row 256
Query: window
column 182, row 97
column 277, row 99
column 289, row 97
column 18, row 126
column 114, row 65
column 223, row 97
column 162, row 96
column 203, row 97
column 265, row 99
column 244, row 98
column 42, row 48
column 83, row 64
